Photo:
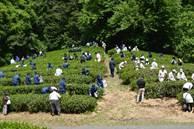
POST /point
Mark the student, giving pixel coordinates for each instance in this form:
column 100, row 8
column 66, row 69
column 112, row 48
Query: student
column 17, row 59
column 180, row 61
column 122, row 65
column 45, row 90
column 187, row 101
column 36, row 79
column 6, row 104
column 154, row 65
column 49, row 66
column 162, row 74
column 33, row 65
column 62, row 86
column 188, row 85
column 2, row 75
column 112, row 66
column 181, row 75
column 85, row 71
column 16, row 80
column 99, row 81
column 93, row 91
column 28, row 79
column 171, row 75
column 141, row 89
column 192, row 76
column 173, row 61
column 54, row 101
column 65, row 65
column 12, row 61
column 149, row 54
column 98, row 57
column 82, row 58
column 58, row 72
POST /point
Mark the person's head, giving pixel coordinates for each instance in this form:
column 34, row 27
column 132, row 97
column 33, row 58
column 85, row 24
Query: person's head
column 163, row 67
column 125, row 62
column 112, row 58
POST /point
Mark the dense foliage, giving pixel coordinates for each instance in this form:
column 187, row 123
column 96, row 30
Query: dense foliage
column 40, row 103
column 17, row 125
column 161, row 25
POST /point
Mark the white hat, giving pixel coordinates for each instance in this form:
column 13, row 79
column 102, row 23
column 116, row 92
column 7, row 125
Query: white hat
column 163, row 66
column 181, row 70
column 53, row 88
column 174, row 71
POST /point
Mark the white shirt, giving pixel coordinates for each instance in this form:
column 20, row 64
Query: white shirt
column 12, row 61
column 58, row 72
column 54, row 96
column 154, row 65
column 171, row 77
column 141, row 66
column 188, row 97
column 188, row 85
column 192, row 77
column 162, row 73
column 98, row 57
column 121, row 65
column 181, row 76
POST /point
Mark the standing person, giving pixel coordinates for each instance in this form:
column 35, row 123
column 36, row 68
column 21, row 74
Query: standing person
column 59, row 71
column 162, row 74
column 36, row 78
column 16, row 80
column 54, row 101
column 141, row 89
column 6, row 103
column 112, row 66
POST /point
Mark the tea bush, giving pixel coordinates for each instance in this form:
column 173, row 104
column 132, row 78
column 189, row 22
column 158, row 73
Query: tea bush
column 17, row 125
column 40, row 103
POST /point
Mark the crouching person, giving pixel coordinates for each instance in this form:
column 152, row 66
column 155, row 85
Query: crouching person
column 93, row 91
column 6, row 104
column 54, row 101
column 187, row 101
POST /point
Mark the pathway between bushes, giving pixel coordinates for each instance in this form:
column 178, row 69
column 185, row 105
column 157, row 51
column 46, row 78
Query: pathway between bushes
column 117, row 107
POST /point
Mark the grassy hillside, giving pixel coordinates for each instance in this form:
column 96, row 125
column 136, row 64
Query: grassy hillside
column 77, row 84
column 154, row 88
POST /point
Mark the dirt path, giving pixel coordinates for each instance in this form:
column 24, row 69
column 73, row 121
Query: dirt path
column 117, row 107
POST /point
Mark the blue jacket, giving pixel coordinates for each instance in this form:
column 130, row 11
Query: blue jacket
column 36, row 79
column 62, row 86
column 16, row 80
column 28, row 80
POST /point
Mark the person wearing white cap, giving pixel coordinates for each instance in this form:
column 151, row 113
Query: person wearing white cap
column 54, row 101
column 162, row 74
column 187, row 101
column 192, row 76
column 122, row 64
column 58, row 72
column 154, row 65
column 98, row 57
column 12, row 61
column 188, row 85
column 181, row 75
column 171, row 76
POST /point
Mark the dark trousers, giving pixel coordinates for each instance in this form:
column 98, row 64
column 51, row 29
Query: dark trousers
column 55, row 107
column 187, row 107
column 112, row 72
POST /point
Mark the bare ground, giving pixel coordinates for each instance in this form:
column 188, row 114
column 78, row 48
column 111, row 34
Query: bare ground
column 117, row 107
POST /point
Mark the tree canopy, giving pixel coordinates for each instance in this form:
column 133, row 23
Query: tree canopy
column 158, row 25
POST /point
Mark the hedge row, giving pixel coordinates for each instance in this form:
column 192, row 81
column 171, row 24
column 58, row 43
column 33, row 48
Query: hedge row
column 40, row 103
column 72, row 89
column 17, row 125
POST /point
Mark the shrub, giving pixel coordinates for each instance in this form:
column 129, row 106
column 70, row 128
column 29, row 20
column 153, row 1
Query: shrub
column 17, row 125
column 72, row 89
column 40, row 103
